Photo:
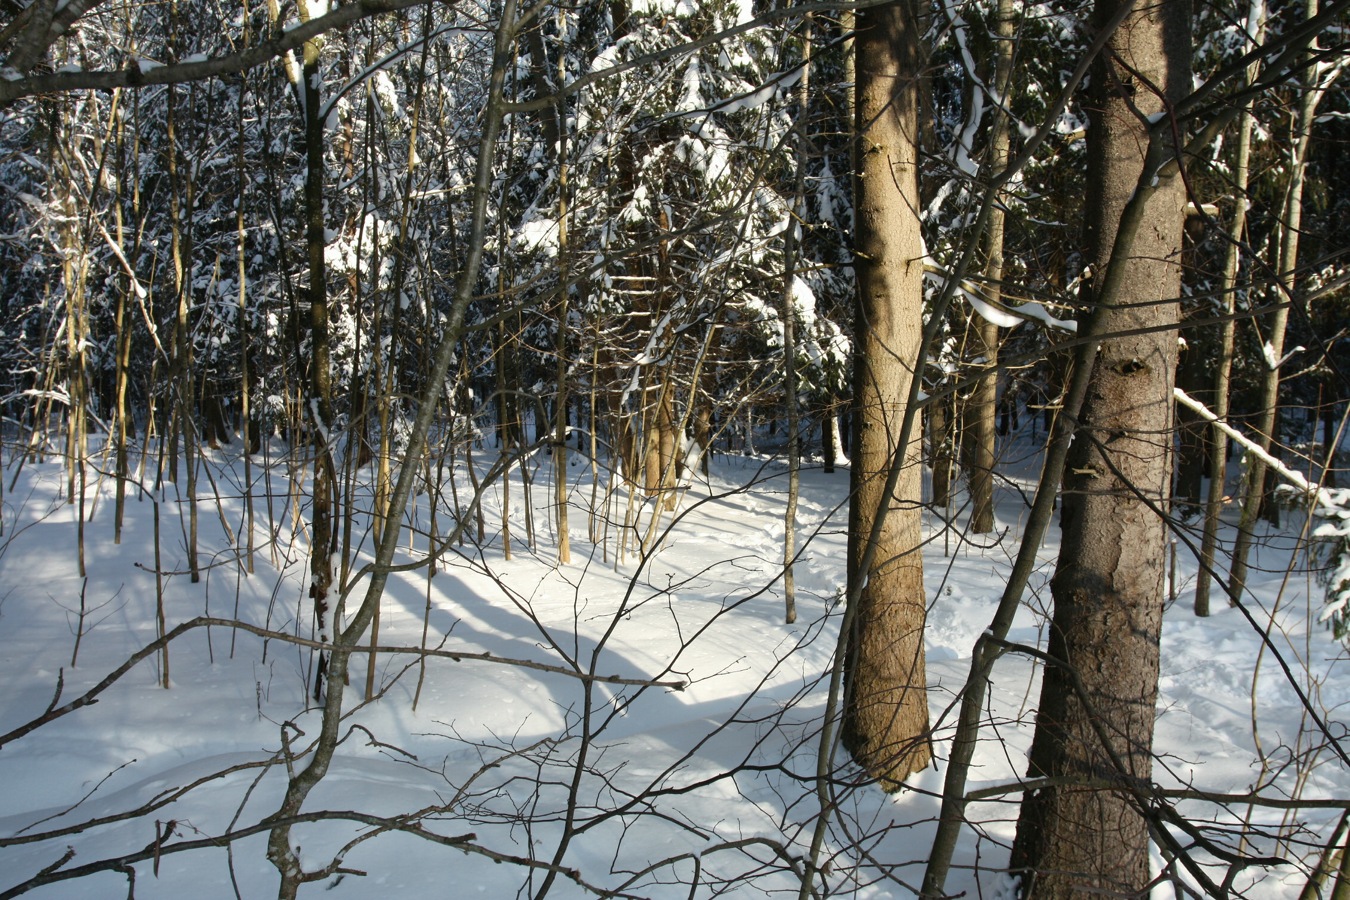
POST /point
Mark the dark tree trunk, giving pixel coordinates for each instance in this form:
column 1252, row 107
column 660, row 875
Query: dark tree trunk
column 1192, row 447
column 1083, row 833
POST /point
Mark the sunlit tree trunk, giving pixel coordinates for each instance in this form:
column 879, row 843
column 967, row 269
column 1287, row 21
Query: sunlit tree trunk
column 886, row 710
column 979, row 427
column 245, row 395
column 181, row 194
column 125, row 424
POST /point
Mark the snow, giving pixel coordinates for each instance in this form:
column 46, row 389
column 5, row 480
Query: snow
column 692, row 98
column 539, row 235
column 678, row 8
column 708, row 779
column 771, row 88
column 1002, row 316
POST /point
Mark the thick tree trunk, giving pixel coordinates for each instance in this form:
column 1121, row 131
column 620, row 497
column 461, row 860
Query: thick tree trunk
column 886, row 711
column 1077, row 836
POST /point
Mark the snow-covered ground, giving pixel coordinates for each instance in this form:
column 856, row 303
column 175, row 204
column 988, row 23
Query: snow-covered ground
column 573, row 765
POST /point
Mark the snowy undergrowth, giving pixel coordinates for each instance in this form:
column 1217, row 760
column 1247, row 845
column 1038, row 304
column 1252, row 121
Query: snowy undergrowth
column 651, row 788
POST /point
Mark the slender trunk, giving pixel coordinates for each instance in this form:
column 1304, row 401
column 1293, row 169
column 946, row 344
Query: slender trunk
column 245, row 396
column 789, row 315
column 940, row 439
column 507, row 426
column 561, row 399
column 320, row 387
column 1290, row 227
column 280, row 848
column 979, row 427
column 74, row 271
column 184, row 408
column 125, row 424
column 1237, row 226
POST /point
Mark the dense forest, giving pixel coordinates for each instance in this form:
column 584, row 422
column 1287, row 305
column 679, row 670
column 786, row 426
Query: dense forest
column 348, row 296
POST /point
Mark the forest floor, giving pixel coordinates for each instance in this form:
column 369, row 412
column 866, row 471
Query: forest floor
column 649, row 788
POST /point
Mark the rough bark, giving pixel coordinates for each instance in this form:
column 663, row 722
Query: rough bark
column 1095, row 721
column 885, row 722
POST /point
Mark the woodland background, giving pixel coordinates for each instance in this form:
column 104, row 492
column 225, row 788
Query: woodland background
column 338, row 296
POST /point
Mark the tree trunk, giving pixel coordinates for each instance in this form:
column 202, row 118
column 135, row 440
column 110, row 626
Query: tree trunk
column 245, row 397
column 1195, row 378
column 790, row 247
column 1095, row 721
column 979, row 427
column 1289, row 230
column 885, row 722
column 560, row 493
column 323, row 537
column 940, row 442
column 180, row 241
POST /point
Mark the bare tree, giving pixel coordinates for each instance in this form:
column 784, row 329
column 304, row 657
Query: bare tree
column 1228, row 285
column 980, row 409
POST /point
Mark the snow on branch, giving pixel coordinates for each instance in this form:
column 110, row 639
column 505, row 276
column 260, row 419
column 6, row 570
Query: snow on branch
column 1002, row 315
column 1332, row 501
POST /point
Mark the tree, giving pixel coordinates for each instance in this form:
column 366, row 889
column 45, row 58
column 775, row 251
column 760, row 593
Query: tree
column 1290, row 226
column 886, row 708
column 324, row 540
column 1218, row 453
column 981, row 407
column 1082, row 827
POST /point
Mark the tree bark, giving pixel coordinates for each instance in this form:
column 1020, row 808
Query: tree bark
column 1095, row 720
column 885, row 722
